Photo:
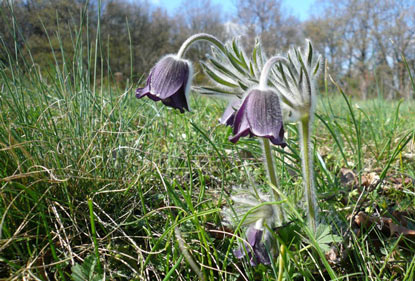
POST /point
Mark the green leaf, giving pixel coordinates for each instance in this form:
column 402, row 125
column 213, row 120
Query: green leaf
column 310, row 53
column 293, row 78
column 284, row 78
column 316, row 68
column 237, row 64
column 216, row 77
column 254, row 54
column 239, row 54
column 294, row 67
column 243, row 86
column 235, row 48
column 214, row 91
column 87, row 271
column 251, row 69
column 324, row 237
column 222, row 68
column 409, row 73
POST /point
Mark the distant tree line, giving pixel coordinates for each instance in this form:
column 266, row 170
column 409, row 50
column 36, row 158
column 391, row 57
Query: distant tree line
column 364, row 41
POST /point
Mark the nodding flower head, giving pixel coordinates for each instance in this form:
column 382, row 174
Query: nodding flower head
column 251, row 209
column 169, row 82
column 259, row 247
column 259, row 114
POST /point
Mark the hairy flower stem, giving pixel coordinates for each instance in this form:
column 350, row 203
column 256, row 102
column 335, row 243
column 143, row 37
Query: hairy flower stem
column 263, row 79
column 307, row 165
column 269, row 163
column 197, row 37
column 281, row 263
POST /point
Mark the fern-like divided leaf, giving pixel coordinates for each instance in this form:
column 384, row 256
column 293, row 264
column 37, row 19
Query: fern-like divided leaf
column 324, row 237
column 232, row 71
column 87, row 271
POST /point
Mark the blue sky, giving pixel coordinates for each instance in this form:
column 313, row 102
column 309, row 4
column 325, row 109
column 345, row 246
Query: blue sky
column 299, row 8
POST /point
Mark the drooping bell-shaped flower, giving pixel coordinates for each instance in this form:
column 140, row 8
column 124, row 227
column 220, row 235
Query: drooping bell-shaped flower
column 256, row 212
column 169, row 82
column 258, row 248
column 259, row 115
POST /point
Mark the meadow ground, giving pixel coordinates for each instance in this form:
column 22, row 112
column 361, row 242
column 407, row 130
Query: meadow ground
column 93, row 183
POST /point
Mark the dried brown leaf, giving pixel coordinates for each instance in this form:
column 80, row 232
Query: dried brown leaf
column 347, row 177
column 386, row 225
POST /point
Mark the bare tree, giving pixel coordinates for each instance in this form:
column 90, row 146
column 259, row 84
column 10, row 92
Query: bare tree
column 266, row 19
column 148, row 29
column 199, row 16
column 326, row 34
column 394, row 34
column 366, row 40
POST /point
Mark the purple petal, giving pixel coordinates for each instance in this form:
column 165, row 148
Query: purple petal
column 240, row 124
column 239, row 253
column 260, row 115
column 253, row 236
column 178, row 100
column 264, row 116
column 230, row 112
column 169, row 75
column 253, row 261
column 142, row 92
column 261, row 254
column 258, row 248
column 168, row 81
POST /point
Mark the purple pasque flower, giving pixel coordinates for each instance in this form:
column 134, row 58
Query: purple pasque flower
column 259, row 115
column 169, row 82
column 258, row 248
column 258, row 218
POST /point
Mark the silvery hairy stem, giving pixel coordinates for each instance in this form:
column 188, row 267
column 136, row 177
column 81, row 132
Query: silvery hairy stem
column 305, row 126
column 297, row 84
column 197, row 37
column 269, row 162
